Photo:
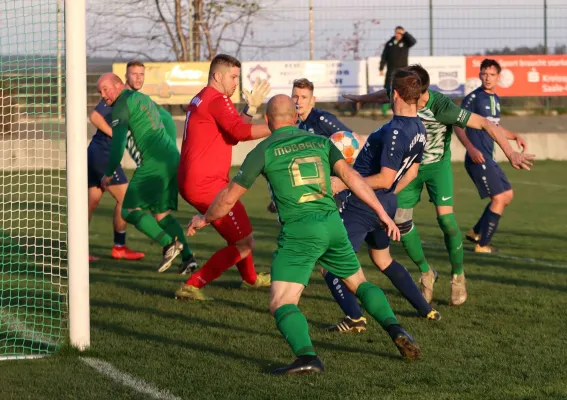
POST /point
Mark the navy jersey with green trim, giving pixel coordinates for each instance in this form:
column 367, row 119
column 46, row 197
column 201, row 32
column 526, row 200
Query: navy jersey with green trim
column 486, row 105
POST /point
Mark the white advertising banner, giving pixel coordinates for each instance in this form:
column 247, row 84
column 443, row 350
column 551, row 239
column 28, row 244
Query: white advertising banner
column 331, row 78
column 447, row 74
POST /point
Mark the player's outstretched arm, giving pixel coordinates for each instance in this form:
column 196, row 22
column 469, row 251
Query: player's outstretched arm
column 517, row 160
column 222, row 204
column 379, row 97
column 475, row 155
column 409, row 176
column 226, row 116
column 100, row 123
column 356, row 183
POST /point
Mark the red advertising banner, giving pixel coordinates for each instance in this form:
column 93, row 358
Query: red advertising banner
column 533, row 75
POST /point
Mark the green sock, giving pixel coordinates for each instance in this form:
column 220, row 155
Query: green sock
column 453, row 242
column 293, row 326
column 174, row 229
column 375, row 303
column 385, row 108
column 412, row 244
column 146, row 224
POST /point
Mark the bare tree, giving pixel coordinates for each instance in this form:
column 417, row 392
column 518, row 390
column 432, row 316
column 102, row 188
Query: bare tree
column 343, row 47
column 183, row 30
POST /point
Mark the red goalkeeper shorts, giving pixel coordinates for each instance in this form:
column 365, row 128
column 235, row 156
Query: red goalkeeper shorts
column 232, row 227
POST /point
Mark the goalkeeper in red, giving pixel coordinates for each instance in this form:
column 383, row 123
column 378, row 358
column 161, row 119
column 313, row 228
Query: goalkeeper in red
column 138, row 127
column 212, row 128
column 297, row 166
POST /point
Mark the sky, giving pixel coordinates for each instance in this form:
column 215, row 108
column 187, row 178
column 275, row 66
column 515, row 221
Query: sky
column 281, row 30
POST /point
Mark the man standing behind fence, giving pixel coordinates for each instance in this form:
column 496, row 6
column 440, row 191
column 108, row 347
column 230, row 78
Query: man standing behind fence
column 395, row 55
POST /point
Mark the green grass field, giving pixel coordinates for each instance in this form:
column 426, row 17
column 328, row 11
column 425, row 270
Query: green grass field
column 507, row 342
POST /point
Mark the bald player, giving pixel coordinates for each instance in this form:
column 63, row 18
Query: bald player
column 97, row 160
column 297, row 166
column 137, row 126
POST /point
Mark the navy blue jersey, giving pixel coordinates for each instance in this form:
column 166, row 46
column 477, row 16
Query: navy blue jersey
column 101, row 138
column 396, row 145
column 486, row 105
column 322, row 123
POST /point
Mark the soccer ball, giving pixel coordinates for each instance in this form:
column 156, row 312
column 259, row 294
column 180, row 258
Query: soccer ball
column 348, row 143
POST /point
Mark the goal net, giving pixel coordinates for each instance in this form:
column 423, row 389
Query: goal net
column 33, row 200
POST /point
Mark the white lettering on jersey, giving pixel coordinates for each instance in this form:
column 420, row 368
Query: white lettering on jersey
column 419, row 138
column 196, row 101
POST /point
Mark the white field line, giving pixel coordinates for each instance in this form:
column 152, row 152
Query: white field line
column 128, row 380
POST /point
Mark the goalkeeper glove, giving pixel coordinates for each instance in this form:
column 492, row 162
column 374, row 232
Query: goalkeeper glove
column 256, row 96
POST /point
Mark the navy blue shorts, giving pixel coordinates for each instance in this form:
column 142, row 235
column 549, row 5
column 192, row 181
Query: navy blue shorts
column 97, row 157
column 489, row 178
column 362, row 223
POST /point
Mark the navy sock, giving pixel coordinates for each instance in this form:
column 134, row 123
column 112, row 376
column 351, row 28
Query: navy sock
column 120, row 238
column 488, row 227
column 401, row 279
column 476, row 228
column 347, row 301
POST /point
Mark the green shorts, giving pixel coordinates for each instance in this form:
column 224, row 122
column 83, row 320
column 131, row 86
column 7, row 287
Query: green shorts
column 318, row 238
column 437, row 178
column 153, row 188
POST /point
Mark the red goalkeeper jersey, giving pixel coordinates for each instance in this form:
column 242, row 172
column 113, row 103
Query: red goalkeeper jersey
column 212, row 127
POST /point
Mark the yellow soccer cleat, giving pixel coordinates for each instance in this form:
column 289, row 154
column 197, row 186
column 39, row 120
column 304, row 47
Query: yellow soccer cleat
column 472, row 236
column 458, row 290
column 263, row 280
column 484, row 249
column 188, row 292
column 433, row 315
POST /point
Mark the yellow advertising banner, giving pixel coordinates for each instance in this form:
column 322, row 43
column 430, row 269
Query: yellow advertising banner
column 173, row 82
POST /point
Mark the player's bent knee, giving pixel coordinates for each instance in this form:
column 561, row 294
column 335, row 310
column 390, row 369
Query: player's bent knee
column 246, row 243
column 131, row 216
column 448, row 224
column 381, row 258
column 354, row 281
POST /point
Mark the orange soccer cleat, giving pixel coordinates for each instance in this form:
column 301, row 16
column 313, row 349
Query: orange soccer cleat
column 123, row 252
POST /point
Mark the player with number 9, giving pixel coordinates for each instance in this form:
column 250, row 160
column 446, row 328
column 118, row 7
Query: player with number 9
column 297, row 166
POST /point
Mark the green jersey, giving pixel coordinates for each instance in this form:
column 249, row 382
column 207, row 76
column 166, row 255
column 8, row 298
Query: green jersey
column 138, row 127
column 168, row 123
column 297, row 166
column 438, row 116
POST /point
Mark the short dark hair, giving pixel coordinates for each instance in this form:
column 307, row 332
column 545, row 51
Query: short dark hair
column 303, row 83
column 134, row 63
column 223, row 60
column 407, row 84
column 423, row 76
column 399, row 27
column 488, row 62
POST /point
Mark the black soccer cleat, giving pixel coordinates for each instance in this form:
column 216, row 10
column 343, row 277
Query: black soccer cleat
column 188, row 266
column 347, row 324
column 301, row 366
column 406, row 345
